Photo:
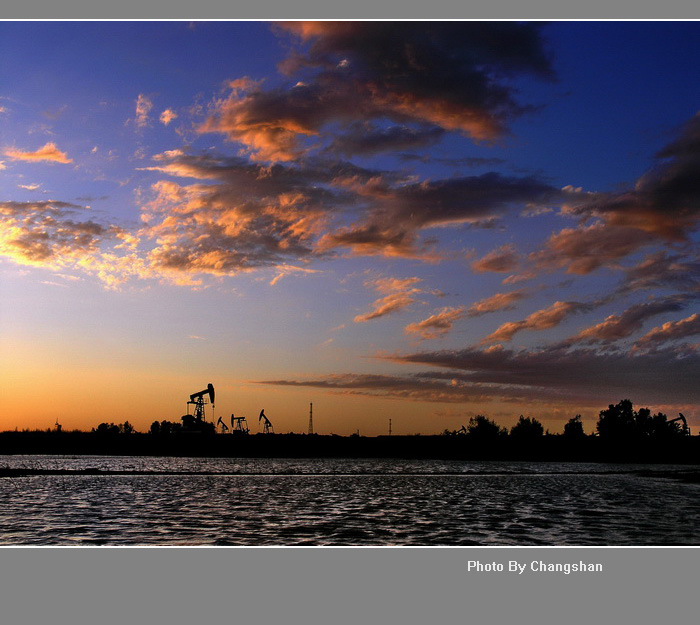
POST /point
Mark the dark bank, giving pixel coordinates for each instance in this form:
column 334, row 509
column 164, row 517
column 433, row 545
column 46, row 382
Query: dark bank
column 623, row 434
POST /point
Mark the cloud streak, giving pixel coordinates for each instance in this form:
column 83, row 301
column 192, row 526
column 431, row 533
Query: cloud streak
column 555, row 375
column 436, row 325
column 671, row 331
column 539, row 320
column 616, row 327
column 48, row 152
column 401, row 293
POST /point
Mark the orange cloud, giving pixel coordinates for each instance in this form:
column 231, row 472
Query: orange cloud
column 585, row 249
column 442, row 75
column 503, row 259
column 144, row 104
column 672, row 330
column 616, row 327
column 499, row 301
column 401, row 294
column 48, row 152
column 436, row 325
column 167, row 116
column 539, row 320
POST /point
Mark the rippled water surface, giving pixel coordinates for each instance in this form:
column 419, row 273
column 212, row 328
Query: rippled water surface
column 225, row 501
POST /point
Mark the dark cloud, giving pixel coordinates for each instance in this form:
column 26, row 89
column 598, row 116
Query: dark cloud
column 664, row 271
column 584, row 249
column 583, row 377
column 398, row 213
column 455, row 76
column 665, row 202
column 616, row 327
column 417, row 387
column 464, row 161
column 394, row 208
column 667, row 375
column 365, row 140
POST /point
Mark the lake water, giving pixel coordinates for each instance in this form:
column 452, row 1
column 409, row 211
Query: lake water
column 250, row 502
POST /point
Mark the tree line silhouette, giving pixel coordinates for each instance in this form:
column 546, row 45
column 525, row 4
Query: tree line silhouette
column 618, row 422
column 622, row 434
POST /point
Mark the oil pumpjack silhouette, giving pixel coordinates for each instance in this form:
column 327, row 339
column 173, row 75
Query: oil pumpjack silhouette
column 197, row 422
column 267, row 427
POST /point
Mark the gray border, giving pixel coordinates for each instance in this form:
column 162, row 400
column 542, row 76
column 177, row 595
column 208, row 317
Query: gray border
column 407, row 586
column 358, row 9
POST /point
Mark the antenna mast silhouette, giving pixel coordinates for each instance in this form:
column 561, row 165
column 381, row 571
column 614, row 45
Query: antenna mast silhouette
column 311, row 418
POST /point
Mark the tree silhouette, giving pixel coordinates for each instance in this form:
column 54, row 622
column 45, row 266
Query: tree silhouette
column 573, row 428
column 621, row 421
column 107, row 429
column 618, row 421
column 527, row 428
column 480, row 427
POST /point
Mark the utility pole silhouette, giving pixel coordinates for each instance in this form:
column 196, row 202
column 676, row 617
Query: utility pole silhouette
column 389, row 427
column 311, row 418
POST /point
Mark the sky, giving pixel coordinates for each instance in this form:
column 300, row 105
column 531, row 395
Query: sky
column 415, row 221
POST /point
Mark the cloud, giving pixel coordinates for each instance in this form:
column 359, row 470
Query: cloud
column 365, row 140
column 497, row 302
column 393, row 208
column 539, row 320
column 48, row 152
column 436, row 325
column 453, row 76
column 616, row 327
column 665, row 202
column 42, row 233
column 55, row 235
column 398, row 213
column 585, row 375
column 29, row 187
column 249, row 216
column 671, row 331
column 288, row 270
column 583, row 250
column 663, row 271
column 503, row 259
column 443, row 73
column 298, row 211
column 391, row 285
column 144, row 104
column 167, row 116
column 419, row 387
column 401, row 294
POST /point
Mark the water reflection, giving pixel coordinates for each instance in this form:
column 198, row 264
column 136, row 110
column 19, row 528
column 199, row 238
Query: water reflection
column 343, row 502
